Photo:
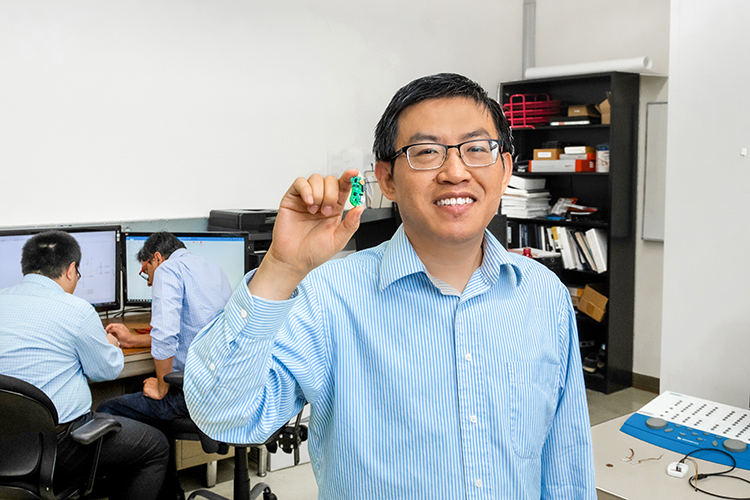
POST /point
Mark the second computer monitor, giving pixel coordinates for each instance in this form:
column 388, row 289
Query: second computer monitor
column 226, row 249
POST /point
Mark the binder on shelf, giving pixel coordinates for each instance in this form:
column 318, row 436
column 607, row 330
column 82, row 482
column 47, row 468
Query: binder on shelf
column 569, row 260
column 598, row 242
column 581, row 240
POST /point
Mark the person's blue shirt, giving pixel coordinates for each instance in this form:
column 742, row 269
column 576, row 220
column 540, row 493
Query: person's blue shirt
column 187, row 292
column 55, row 341
column 416, row 391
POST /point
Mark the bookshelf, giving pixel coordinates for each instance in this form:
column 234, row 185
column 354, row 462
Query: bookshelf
column 613, row 193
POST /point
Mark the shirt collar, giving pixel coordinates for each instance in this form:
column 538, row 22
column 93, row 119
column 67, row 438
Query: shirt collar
column 400, row 260
column 41, row 280
column 178, row 252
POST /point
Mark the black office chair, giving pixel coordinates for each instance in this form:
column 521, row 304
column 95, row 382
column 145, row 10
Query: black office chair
column 287, row 438
column 28, row 444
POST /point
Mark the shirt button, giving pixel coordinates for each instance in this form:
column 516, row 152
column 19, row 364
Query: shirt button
column 478, row 483
column 243, row 313
column 473, row 419
column 468, row 357
column 211, row 367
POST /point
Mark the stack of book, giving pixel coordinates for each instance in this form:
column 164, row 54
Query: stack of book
column 525, row 198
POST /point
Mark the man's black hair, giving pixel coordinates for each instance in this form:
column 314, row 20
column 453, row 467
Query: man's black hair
column 163, row 242
column 435, row 87
column 50, row 254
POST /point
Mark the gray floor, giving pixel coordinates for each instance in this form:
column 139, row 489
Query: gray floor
column 298, row 483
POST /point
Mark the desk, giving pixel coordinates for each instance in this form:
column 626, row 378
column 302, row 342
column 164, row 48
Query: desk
column 618, row 480
column 138, row 360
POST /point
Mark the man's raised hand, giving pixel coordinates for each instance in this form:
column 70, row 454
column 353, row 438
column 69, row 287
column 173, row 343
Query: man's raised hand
column 308, row 231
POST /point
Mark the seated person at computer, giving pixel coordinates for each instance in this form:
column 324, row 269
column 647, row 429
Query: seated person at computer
column 187, row 291
column 55, row 341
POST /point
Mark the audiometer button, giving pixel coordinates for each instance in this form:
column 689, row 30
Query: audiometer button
column 735, row 446
column 656, row 423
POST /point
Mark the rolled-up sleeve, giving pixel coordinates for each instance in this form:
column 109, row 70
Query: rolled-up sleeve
column 166, row 312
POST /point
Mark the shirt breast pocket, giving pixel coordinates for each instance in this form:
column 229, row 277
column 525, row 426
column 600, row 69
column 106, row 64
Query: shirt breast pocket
column 533, row 400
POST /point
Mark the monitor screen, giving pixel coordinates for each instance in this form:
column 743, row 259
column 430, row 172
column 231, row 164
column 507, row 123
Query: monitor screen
column 227, row 249
column 99, row 267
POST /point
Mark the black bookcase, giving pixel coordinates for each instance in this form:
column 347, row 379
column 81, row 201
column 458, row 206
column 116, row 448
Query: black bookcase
column 613, row 193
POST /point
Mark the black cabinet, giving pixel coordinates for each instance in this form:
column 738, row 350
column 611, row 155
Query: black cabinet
column 613, row 193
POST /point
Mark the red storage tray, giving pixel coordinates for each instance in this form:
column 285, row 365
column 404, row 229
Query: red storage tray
column 527, row 110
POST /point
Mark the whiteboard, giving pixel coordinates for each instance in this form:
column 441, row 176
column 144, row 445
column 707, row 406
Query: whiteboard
column 655, row 171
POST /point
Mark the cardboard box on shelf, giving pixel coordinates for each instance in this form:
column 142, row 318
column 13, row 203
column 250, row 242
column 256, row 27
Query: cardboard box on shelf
column 583, row 110
column 592, row 303
column 575, row 294
column 605, row 110
column 547, row 154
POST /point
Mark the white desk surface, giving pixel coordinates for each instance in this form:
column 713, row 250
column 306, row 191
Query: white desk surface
column 616, row 479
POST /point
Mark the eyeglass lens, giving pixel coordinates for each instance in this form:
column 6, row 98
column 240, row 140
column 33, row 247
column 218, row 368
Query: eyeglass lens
column 476, row 153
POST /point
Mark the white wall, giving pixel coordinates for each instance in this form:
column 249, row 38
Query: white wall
column 140, row 109
column 575, row 31
column 706, row 324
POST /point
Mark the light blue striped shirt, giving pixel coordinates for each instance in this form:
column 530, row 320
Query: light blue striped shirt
column 54, row 341
column 415, row 393
column 187, row 292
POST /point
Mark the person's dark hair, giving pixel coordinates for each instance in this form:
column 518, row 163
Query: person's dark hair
column 50, row 254
column 163, row 242
column 434, row 87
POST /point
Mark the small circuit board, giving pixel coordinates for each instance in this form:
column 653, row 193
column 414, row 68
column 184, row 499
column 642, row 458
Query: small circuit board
column 357, row 197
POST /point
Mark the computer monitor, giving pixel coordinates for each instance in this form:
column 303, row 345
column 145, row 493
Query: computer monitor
column 99, row 267
column 229, row 250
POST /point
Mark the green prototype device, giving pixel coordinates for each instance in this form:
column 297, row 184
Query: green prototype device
column 357, row 197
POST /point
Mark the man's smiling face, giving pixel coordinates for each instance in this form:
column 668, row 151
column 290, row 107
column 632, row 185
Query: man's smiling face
column 454, row 203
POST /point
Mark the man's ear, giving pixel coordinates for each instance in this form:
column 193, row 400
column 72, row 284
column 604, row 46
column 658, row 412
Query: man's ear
column 385, row 179
column 71, row 271
column 507, row 160
column 157, row 258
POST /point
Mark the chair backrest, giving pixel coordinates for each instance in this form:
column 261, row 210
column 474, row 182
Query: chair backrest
column 27, row 432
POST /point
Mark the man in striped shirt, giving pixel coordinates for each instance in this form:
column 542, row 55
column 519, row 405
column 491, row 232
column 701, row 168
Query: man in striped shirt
column 437, row 364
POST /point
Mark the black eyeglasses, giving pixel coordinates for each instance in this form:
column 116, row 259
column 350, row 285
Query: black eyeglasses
column 430, row 155
column 78, row 273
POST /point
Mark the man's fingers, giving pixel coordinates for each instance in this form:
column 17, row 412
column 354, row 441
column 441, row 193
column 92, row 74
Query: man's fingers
column 349, row 225
column 331, row 195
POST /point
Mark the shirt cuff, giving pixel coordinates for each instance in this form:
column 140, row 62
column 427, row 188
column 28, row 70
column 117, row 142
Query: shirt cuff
column 255, row 316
